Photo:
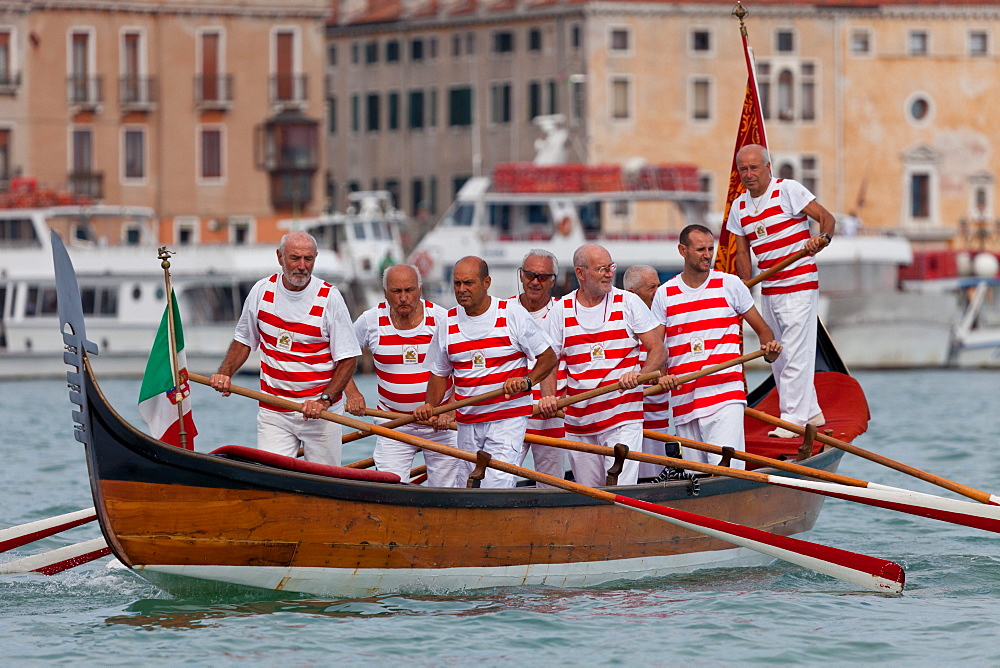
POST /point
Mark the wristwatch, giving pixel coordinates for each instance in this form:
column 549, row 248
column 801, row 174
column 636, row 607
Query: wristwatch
column 326, row 397
column 827, row 237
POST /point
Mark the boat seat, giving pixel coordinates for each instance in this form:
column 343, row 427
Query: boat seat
column 844, row 406
column 244, row 453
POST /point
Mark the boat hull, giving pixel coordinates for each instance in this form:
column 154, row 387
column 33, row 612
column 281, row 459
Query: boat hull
column 169, row 512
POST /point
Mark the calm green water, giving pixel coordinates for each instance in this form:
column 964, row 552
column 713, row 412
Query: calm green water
column 942, row 421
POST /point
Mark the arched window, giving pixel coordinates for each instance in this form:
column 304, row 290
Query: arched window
column 786, row 95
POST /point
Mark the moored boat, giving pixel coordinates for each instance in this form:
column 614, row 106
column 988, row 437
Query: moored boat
column 230, row 517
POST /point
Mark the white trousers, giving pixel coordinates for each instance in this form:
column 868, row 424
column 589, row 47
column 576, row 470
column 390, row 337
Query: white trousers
column 547, row 459
column 651, row 447
column 592, row 470
column 501, row 439
column 283, row 433
column 792, row 318
column 724, row 427
column 396, row 457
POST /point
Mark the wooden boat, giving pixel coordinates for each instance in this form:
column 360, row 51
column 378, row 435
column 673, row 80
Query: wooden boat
column 169, row 512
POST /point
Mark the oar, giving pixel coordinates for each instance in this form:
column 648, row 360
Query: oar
column 28, row 533
column 407, row 419
column 58, row 560
column 963, row 513
column 964, row 490
column 764, row 275
column 865, row 571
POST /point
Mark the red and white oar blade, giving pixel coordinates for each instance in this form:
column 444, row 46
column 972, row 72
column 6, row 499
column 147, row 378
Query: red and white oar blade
column 58, row 560
column 965, row 513
column 32, row 531
column 869, row 572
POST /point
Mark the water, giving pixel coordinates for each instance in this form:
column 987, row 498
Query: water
column 945, row 422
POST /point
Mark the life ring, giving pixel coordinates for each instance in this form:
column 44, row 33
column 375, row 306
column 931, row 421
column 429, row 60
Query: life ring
column 564, row 226
column 423, row 261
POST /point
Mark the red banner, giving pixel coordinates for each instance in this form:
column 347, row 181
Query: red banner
column 751, row 131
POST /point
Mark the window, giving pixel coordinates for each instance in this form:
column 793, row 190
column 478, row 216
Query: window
column 212, row 84
column 979, row 43
column 432, row 189
column 432, row 109
column 792, row 94
column 619, row 39
column 920, row 185
column 575, row 37
column 5, row 171
column 7, row 77
column 456, row 46
column 621, row 108
column 701, row 99
column 919, row 42
column 417, row 203
column 553, row 97
column 186, row 230
column 919, row 109
column 861, row 42
column 416, row 108
column 331, row 55
column 460, row 106
column 393, row 123
column 134, row 154
column 210, row 147
column 807, row 84
column 577, row 91
column 355, row 113
column 372, row 112
column 99, row 300
column 241, row 230
column 500, row 111
column 470, row 44
column 84, row 87
column 371, row 53
column 83, row 180
column 432, row 46
column 392, row 51
column 355, row 53
column 331, row 115
column 535, row 39
column 416, row 50
column 701, row 40
column 784, row 41
column 287, row 85
column 920, row 195
column 133, row 86
column 503, row 41
column 534, row 99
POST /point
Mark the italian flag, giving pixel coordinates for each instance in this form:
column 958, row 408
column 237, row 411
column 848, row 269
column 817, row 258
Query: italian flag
column 159, row 395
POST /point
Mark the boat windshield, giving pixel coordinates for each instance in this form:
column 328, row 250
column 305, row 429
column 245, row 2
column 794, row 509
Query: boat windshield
column 460, row 216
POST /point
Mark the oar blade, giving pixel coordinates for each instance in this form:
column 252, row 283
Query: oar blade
column 23, row 534
column 58, row 560
column 872, row 573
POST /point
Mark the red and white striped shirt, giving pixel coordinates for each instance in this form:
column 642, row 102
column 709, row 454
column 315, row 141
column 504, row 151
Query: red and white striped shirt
column 655, row 407
column 301, row 336
column 553, row 427
column 399, row 355
column 598, row 355
column 777, row 230
column 481, row 353
column 703, row 329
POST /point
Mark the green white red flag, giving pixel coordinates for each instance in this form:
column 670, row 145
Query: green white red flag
column 159, row 394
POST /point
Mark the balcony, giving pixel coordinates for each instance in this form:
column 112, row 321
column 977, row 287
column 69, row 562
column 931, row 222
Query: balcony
column 213, row 92
column 85, row 93
column 288, row 91
column 87, row 184
column 287, row 147
column 9, row 83
column 137, row 93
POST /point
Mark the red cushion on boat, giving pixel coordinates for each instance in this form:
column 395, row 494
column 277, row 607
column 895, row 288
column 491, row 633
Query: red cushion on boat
column 844, row 407
column 302, row 466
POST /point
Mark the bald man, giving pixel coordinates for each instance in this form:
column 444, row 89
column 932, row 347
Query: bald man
column 483, row 345
column 307, row 353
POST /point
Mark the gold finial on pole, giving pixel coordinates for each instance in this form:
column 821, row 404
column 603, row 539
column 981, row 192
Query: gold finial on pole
column 740, row 12
column 175, row 373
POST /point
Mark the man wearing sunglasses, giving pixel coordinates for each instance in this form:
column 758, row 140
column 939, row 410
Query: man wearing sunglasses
column 599, row 330
column 538, row 273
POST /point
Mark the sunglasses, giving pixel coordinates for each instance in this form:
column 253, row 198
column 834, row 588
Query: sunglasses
column 530, row 275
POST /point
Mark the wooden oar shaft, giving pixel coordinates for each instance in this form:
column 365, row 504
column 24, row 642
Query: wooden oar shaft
column 860, row 569
column 964, row 490
column 742, row 359
column 407, row 419
column 764, row 275
column 757, row 459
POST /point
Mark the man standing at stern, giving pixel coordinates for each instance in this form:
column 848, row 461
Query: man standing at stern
column 772, row 217
column 482, row 346
column 598, row 330
column 307, row 353
column 399, row 331
column 701, row 310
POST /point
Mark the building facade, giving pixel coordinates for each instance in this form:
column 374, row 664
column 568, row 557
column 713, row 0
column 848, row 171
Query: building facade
column 883, row 110
column 209, row 113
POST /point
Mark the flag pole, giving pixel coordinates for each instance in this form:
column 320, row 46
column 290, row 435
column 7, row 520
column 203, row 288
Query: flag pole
column 164, row 256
